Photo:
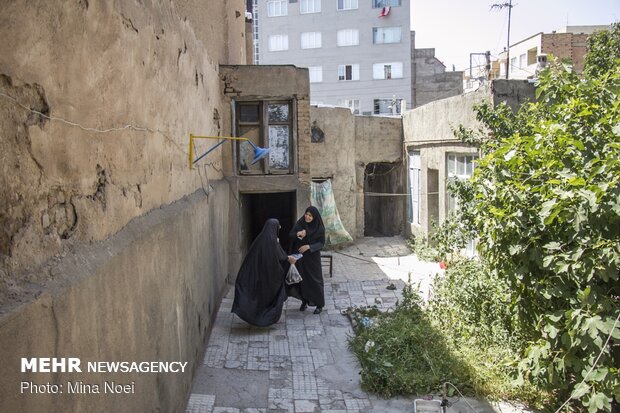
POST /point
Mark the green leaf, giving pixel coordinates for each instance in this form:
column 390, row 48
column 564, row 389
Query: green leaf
column 580, row 390
column 577, row 181
column 546, row 207
column 599, row 402
column 553, row 246
column 598, row 374
column 548, row 260
column 510, row 155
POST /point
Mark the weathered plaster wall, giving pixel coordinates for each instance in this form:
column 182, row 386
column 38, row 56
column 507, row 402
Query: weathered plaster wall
column 335, row 158
column 145, row 294
column 429, row 129
column 109, row 248
column 377, row 139
column 437, row 120
column 512, row 92
column 273, row 82
column 104, row 66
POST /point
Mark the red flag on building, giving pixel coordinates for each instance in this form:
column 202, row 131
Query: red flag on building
column 385, row 11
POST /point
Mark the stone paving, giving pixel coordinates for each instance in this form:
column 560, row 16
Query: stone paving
column 302, row 363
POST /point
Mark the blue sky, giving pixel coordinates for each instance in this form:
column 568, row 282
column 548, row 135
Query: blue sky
column 456, row 28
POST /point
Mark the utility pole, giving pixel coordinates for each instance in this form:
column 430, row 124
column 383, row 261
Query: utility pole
column 500, row 6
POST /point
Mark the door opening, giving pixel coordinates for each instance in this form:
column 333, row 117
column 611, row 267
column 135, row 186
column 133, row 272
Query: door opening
column 256, row 209
column 384, row 208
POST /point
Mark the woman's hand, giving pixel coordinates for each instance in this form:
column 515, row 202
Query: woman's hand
column 301, row 234
column 304, row 248
column 291, row 259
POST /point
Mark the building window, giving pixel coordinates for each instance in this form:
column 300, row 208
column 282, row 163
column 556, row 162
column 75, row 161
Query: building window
column 522, row 61
column 414, row 187
column 460, row 167
column 278, row 42
column 353, row 104
column 381, row 35
column 387, row 106
column 277, row 8
column 267, row 125
column 309, row 6
column 513, row 64
column 392, row 70
column 349, row 72
column 316, row 74
column 377, row 4
column 347, row 4
column 531, row 56
column 348, row 37
column 310, row 40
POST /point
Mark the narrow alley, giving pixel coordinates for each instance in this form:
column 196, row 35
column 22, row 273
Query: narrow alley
column 302, row 363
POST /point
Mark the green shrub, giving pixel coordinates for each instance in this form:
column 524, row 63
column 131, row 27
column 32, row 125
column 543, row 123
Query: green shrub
column 545, row 202
column 401, row 353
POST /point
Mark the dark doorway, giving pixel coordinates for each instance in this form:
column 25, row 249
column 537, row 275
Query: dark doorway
column 384, row 206
column 258, row 208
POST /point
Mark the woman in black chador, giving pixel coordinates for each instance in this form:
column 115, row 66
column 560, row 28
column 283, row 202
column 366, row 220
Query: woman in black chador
column 308, row 237
column 259, row 289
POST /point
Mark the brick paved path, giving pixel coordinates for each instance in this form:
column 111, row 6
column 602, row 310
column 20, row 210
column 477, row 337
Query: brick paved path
column 302, row 363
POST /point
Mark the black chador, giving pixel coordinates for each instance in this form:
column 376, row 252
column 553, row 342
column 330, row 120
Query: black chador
column 259, row 289
column 310, row 290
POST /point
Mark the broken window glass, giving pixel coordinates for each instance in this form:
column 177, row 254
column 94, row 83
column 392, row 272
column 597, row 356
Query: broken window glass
column 278, row 112
column 279, row 144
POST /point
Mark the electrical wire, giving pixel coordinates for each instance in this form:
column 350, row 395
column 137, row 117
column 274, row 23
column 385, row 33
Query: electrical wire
column 593, row 364
column 463, row 397
column 132, row 127
column 151, row 130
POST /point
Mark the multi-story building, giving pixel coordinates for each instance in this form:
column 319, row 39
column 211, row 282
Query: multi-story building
column 358, row 53
column 567, row 43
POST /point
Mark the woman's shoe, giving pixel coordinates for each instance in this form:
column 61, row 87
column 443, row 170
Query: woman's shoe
column 303, row 307
column 318, row 310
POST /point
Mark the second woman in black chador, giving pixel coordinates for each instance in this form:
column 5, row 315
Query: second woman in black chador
column 308, row 235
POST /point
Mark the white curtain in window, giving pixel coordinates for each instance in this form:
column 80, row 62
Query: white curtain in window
column 309, row 6
column 387, row 35
column 278, row 42
column 414, row 183
column 348, row 37
column 277, row 8
column 395, row 69
column 310, row 40
column 347, row 4
column 349, row 72
column 316, row 74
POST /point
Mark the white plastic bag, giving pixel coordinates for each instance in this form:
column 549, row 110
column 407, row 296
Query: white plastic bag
column 293, row 276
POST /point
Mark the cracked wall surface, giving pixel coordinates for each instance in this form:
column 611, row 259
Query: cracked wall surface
column 124, row 83
column 349, row 143
column 111, row 247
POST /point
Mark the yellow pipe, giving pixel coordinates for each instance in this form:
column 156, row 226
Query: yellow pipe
column 191, row 144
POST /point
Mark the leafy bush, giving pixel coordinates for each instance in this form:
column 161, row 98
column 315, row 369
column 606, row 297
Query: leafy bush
column 447, row 239
column 471, row 307
column 401, row 353
column 419, row 246
column 545, row 202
